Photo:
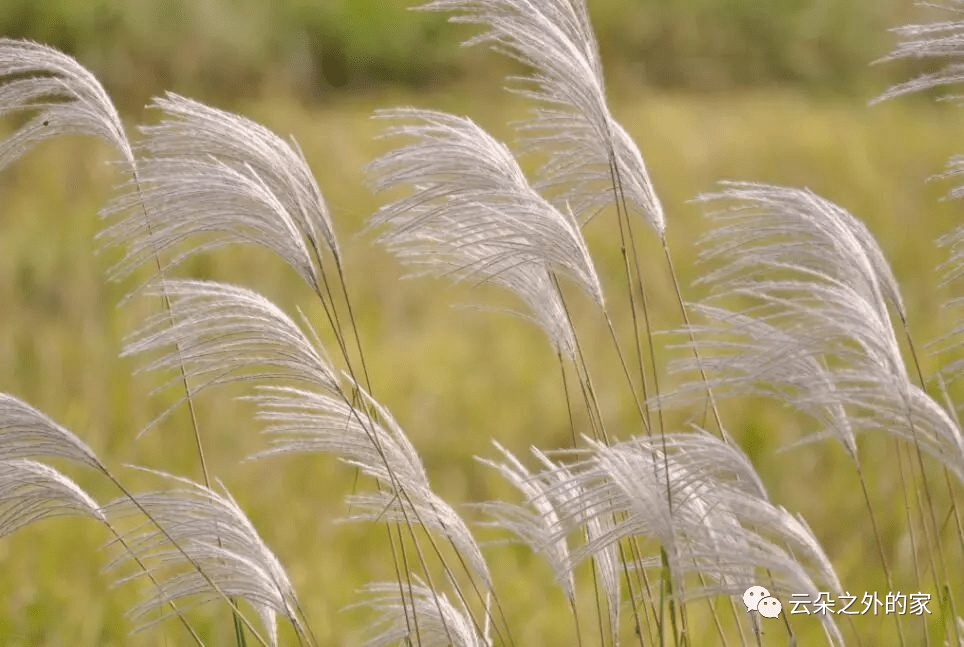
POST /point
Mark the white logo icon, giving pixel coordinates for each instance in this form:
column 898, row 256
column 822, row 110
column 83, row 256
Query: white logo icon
column 753, row 595
column 769, row 607
column 757, row 598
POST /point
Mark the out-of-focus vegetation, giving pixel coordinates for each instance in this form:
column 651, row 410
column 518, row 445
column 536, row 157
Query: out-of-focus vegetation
column 232, row 48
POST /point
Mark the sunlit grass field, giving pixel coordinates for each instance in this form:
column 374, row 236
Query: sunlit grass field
column 455, row 378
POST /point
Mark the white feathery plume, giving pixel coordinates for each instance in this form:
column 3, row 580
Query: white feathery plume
column 549, row 492
column 767, row 545
column 607, row 560
column 439, row 621
column 222, row 334
column 25, row 432
column 303, row 422
column 953, row 269
column 953, row 273
column 31, row 491
column 369, row 438
column 538, row 289
column 531, row 526
column 564, row 489
column 769, row 227
column 212, row 178
column 939, row 41
column 585, row 145
column 943, row 43
column 960, row 631
column 752, row 358
column 199, row 547
column 711, row 515
column 473, row 216
column 470, row 195
column 65, row 96
column 627, row 482
column 219, row 333
column 818, row 332
column 910, row 413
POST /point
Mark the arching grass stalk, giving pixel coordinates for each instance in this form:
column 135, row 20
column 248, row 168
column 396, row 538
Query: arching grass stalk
column 239, row 635
column 276, row 177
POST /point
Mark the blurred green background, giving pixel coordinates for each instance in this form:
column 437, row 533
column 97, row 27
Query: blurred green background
column 710, row 89
column 233, row 48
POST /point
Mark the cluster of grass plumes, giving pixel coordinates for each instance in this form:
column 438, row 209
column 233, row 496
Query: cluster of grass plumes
column 652, row 533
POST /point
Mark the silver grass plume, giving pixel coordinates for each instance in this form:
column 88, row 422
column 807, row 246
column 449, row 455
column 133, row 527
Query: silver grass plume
column 937, row 41
column 67, row 100
column 210, row 178
column 26, row 432
column 219, row 334
column 198, row 547
column 440, row 622
column 953, row 275
column 31, row 491
column 819, row 291
column 369, row 438
column 472, row 215
column 710, row 514
column 531, row 526
column 589, row 153
column 771, row 227
column 943, row 43
column 953, row 269
column 752, row 358
column 65, row 97
column 223, row 334
column 547, row 493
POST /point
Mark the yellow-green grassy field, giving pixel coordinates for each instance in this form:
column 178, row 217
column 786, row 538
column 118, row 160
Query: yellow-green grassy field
column 455, row 378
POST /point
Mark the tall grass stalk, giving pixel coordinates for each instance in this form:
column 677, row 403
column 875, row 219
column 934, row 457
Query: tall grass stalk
column 658, row 520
